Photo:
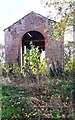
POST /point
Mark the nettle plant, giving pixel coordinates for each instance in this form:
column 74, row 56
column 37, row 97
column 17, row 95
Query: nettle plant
column 32, row 63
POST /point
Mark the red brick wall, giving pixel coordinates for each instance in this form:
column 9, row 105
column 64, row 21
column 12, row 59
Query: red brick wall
column 14, row 34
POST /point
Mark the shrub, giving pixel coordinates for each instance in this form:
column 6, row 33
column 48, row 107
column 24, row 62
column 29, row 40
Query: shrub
column 15, row 70
column 70, row 66
column 5, row 70
column 32, row 64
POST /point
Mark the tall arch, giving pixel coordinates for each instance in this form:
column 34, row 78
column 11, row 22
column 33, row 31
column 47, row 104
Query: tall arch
column 37, row 39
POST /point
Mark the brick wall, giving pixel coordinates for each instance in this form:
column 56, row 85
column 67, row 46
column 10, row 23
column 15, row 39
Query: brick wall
column 31, row 22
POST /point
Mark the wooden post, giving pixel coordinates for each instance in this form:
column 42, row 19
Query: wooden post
column 21, row 58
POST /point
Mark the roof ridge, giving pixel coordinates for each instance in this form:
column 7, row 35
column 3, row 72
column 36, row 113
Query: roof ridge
column 32, row 12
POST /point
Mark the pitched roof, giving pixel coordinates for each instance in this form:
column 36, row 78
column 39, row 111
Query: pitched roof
column 32, row 12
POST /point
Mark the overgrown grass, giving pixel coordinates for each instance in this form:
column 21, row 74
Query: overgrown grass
column 15, row 103
column 32, row 103
column 0, row 100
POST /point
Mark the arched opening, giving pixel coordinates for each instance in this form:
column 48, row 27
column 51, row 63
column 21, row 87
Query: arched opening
column 36, row 37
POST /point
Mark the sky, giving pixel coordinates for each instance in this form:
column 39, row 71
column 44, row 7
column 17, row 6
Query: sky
column 13, row 10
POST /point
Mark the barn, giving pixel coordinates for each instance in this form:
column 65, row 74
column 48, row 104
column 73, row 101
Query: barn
column 31, row 27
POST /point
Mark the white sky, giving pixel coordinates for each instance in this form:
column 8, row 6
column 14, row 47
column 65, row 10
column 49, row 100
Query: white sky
column 13, row 10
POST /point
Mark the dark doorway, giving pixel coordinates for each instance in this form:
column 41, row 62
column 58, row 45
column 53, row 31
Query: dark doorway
column 37, row 39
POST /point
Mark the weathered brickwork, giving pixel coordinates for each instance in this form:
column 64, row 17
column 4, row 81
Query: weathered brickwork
column 31, row 22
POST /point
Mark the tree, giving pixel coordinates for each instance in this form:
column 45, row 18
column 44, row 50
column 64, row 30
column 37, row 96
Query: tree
column 63, row 11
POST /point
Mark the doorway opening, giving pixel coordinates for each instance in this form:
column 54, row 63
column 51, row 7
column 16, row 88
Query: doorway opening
column 37, row 39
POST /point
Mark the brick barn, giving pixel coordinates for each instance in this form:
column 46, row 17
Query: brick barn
column 31, row 28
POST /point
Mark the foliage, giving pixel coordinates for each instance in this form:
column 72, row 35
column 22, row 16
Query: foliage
column 69, row 62
column 15, row 103
column 70, row 65
column 51, row 100
column 32, row 63
column 63, row 12
column 68, row 51
column 70, row 69
column 54, row 98
column 15, row 70
column 5, row 70
column 62, row 89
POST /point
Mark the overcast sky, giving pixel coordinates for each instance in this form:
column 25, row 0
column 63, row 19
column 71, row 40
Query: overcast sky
column 13, row 10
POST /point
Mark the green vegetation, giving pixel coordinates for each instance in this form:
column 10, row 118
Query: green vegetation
column 63, row 13
column 51, row 98
column 32, row 64
column 15, row 103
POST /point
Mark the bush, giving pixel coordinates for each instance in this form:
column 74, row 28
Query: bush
column 15, row 103
column 5, row 70
column 70, row 66
column 32, row 64
column 15, row 70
